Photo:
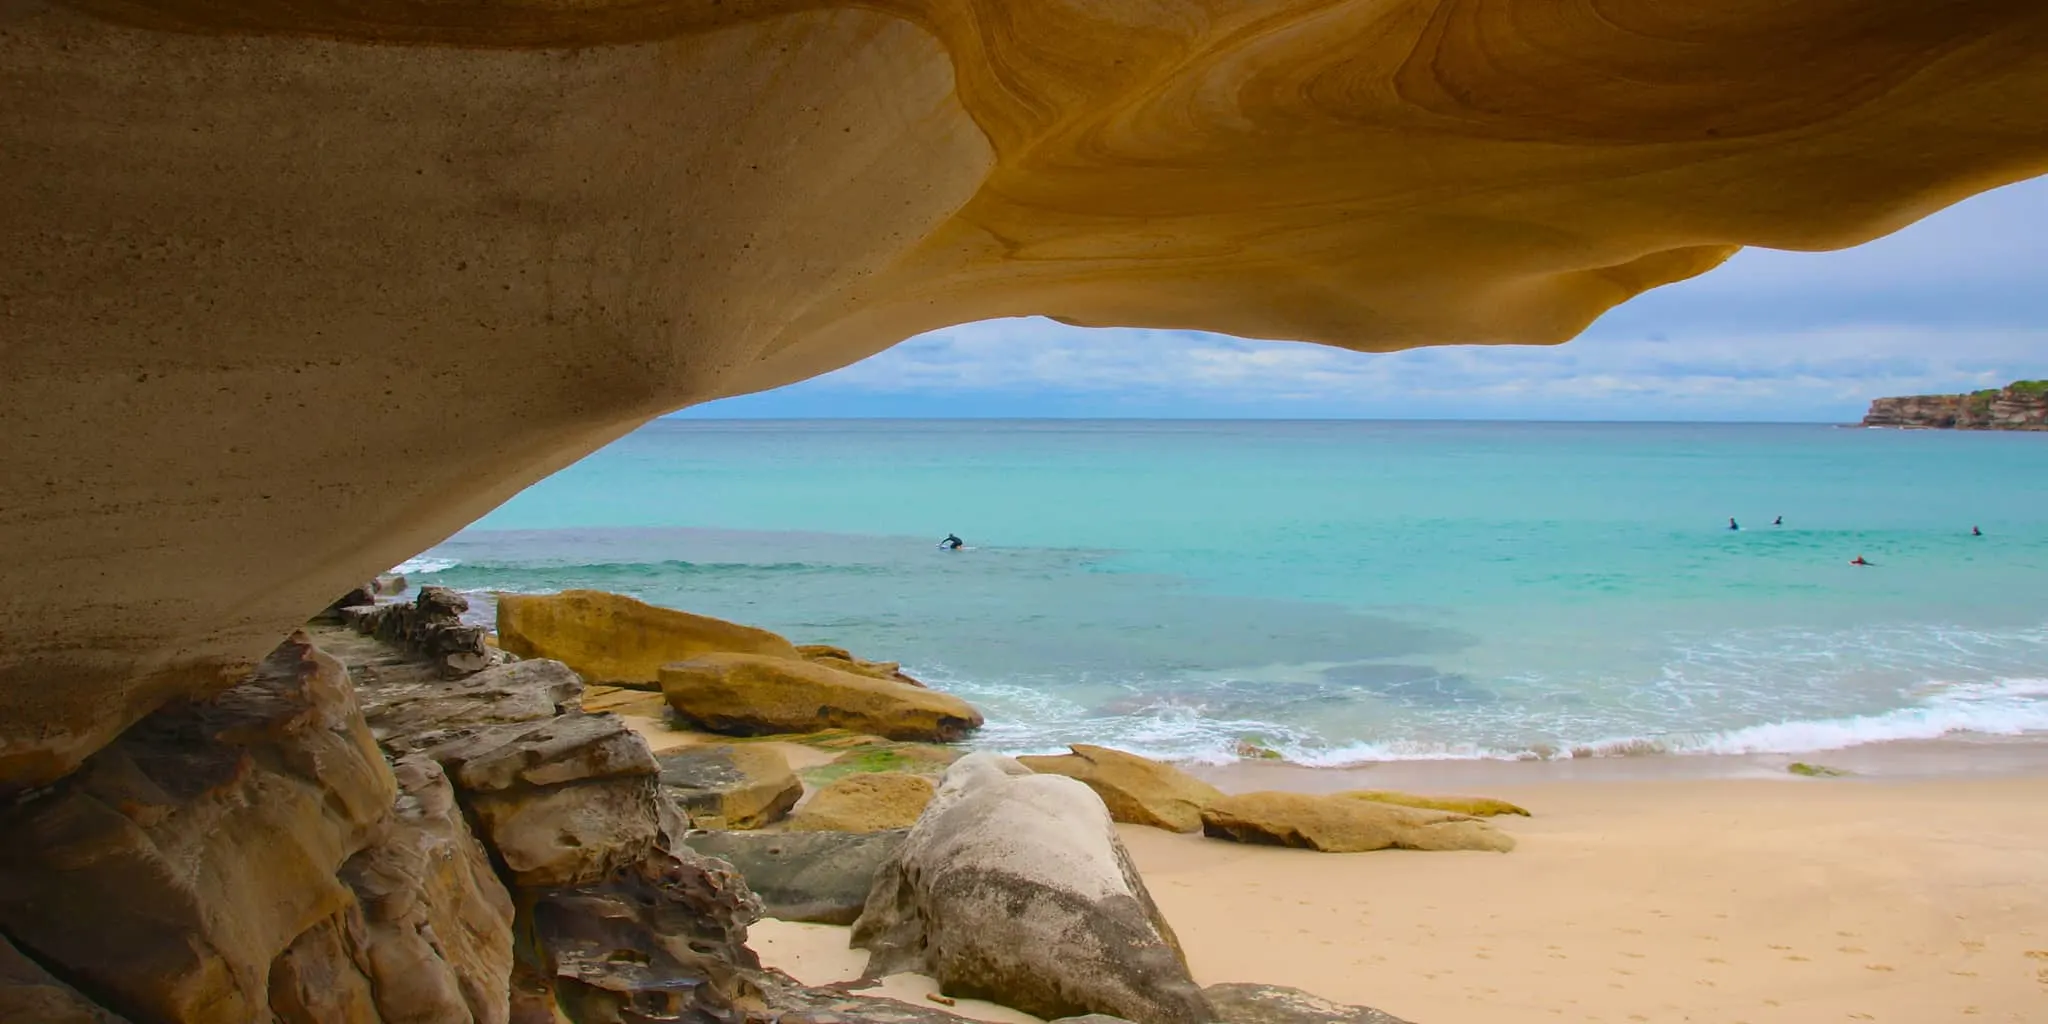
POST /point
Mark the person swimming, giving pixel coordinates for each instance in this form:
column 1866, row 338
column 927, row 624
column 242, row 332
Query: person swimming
column 952, row 543
column 1780, row 521
column 1974, row 532
column 1858, row 560
column 1731, row 523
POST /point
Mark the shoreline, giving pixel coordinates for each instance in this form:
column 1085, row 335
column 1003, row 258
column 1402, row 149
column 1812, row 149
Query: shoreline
column 1659, row 900
column 1971, row 757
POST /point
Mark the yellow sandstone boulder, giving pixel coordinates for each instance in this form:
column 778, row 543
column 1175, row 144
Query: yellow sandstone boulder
column 614, row 639
column 737, row 786
column 868, row 802
column 1344, row 824
column 751, row 695
column 1137, row 790
column 1477, row 806
column 845, row 661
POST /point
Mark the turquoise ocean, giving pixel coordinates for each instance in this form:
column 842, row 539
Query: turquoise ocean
column 1344, row 591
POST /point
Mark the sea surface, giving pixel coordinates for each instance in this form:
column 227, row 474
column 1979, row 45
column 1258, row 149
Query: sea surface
column 1344, row 591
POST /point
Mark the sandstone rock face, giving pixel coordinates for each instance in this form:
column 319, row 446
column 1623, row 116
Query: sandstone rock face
column 660, row 939
column 1136, row 790
column 564, row 801
column 436, row 920
column 626, row 701
column 2022, row 405
column 1344, row 824
column 409, row 714
column 170, row 870
column 428, row 936
column 430, row 624
column 750, row 695
column 1013, row 887
column 845, row 661
column 731, row 787
column 1368, row 173
column 819, row 877
column 1278, row 1004
column 29, row 993
column 1476, row 806
column 614, row 639
column 615, row 921
column 866, row 802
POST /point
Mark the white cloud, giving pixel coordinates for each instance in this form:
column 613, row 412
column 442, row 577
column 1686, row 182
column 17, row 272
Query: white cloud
column 1951, row 303
column 1801, row 369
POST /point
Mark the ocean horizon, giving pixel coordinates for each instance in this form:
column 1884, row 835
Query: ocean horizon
column 1344, row 591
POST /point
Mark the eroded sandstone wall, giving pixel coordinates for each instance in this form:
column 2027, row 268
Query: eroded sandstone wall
column 291, row 291
column 2019, row 406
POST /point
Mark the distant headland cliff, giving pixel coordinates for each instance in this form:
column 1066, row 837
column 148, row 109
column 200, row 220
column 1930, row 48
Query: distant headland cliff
column 2021, row 405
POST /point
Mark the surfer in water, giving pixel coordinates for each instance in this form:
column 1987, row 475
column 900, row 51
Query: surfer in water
column 1858, row 560
column 1731, row 523
column 1780, row 521
column 952, row 543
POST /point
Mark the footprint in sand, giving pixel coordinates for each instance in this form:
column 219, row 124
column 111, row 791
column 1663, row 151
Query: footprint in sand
column 1801, row 959
column 1849, row 949
column 1879, row 967
column 2036, row 954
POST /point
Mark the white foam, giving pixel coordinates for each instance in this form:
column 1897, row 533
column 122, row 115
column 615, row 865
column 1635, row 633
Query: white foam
column 2007, row 707
column 421, row 565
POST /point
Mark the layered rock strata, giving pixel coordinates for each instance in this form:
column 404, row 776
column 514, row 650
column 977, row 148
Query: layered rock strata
column 430, row 625
column 2022, row 405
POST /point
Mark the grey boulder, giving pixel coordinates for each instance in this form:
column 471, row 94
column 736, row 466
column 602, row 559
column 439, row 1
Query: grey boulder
column 818, row 877
column 1014, row 888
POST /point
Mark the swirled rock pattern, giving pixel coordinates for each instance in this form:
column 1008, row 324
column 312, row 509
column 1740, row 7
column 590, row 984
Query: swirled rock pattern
column 292, row 290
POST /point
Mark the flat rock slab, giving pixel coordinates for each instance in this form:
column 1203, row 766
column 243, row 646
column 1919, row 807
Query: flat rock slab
column 1137, row 790
column 568, row 748
column 1278, row 1004
column 1338, row 823
column 867, row 802
column 817, row 877
column 752, row 695
column 735, row 786
column 408, row 713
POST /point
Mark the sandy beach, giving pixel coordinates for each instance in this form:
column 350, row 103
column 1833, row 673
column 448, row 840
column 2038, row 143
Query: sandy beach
column 1634, row 899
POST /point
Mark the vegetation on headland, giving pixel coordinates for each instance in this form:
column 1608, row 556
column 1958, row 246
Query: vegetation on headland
column 2020, row 405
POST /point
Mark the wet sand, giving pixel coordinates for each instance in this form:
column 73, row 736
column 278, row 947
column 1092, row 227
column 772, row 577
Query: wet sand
column 1767, row 900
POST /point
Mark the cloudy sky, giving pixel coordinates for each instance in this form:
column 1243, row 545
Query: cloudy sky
column 1955, row 302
